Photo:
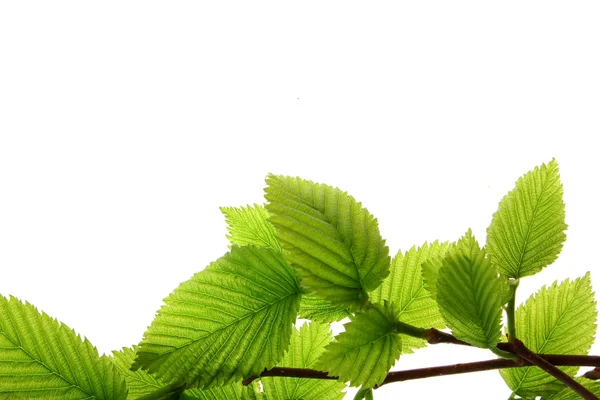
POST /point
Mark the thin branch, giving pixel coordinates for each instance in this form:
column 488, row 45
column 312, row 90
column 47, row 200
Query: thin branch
column 291, row 373
column 397, row 376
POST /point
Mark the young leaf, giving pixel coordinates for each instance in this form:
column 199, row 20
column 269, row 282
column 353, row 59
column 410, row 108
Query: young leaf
column 230, row 321
column 468, row 294
column 317, row 309
column 404, row 287
column 306, row 346
column 250, row 226
column 467, row 245
column 365, row 352
column 560, row 319
column 330, row 239
column 43, row 359
column 527, row 231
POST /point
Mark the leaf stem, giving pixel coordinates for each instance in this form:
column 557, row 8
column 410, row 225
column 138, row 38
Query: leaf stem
column 431, row 335
column 510, row 309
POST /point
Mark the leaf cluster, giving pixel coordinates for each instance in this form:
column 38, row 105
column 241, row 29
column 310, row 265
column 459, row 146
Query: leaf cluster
column 312, row 252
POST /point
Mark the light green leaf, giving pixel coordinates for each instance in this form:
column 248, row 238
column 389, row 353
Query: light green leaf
column 467, row 245
column 250, row 226
column 230, row 392
column 527, row 231
column 317, row 309
column 404, row 287
column 365, row 352
column 329, row 238
column 305, row 348
column 43, row 359
column 569, row 394
column 228, row 322
column 469, row 295
column 560, row 319
column 431, row 270
column 139, row 383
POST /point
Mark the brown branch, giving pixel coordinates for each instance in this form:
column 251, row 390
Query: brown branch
column 517, row 348
column 398, row 376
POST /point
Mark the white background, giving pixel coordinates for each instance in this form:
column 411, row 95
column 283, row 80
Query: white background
column 125, row 125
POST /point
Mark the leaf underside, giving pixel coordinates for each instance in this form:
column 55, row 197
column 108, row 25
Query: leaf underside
column 365, row 352
column 329, row 238
column 404, row 287
column 560, row 319
column 306, row 346
column 527, row 231
column 41, row 358
column 228, row 322
column 469, row 296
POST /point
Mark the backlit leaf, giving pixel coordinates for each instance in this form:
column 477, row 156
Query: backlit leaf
column 41, row 358
column 317, row 309
column 250, row 226
column 306, row 346
column 365, row 352
column 527, row 231
column 329, row 238
column 560, row 319
column 469, row 296
column 228, row 322
column 404, row 287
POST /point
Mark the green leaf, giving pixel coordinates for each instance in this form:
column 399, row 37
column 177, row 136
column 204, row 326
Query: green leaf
column 250, row 226
column 230, row 392
column 228, row 322
column 365, row 352
column 527, row 231
column 306, row 346
column 43, row 359
column 568, row 394
column 431, row 270
column 317, row 309
column 329, row 238
column 469, row 295
column 404, row 287
column 467, row 245
column 139, row 383
column 560, row 319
